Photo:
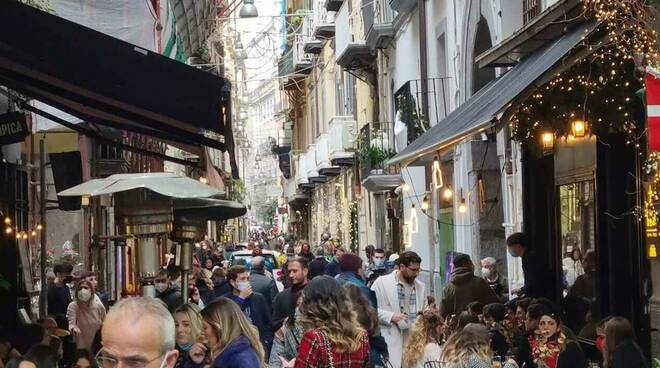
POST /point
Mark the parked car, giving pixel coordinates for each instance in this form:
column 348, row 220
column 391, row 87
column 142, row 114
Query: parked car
column 245, row 257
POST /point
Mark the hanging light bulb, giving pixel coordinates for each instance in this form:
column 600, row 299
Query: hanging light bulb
column 24, row 235
column 437, row 173
column 7, row 220
column 462, row 208
column 414, row 222
column 8, row 230
column 33, row 233
column 18, row 235
column 447, row 193
column 40, row 227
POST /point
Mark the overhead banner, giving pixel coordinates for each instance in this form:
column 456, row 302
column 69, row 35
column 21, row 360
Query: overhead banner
column 653, row 107
column 13, row 128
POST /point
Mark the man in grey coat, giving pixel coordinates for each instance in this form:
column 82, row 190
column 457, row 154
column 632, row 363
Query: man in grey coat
column 262, row 283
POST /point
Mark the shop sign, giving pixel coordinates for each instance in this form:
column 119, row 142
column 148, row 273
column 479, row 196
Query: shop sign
column 13, row 128
column 653, row 107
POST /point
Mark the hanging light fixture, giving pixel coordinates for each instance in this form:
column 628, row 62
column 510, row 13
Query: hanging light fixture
column 414, row 222
column 33, row 233
column 7, row 220
column 248, row 10
column 447, row 193
column 24, row 235
column 40, row 227
column 579, row 128
column 547, row 141
column 437, row 173
column 8, row 230
column 462, row 207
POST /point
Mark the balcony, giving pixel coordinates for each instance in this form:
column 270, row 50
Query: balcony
column 342, row 145
column 313, row 174
column 302, row 61
column 324, row 21
column 409, row 100
column 376, row 147
column 351, row 50
column 110, row 160
column 403, row 6
column 296, row 198
column 285, row 70
column 323, row 163
column 300, row 172
column 312, row 45
column 333, row 5
column 378, row 19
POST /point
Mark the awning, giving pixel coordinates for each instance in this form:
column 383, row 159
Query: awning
column 477, row 113
column 203, row 209
column 104, row 80
column 167, row 184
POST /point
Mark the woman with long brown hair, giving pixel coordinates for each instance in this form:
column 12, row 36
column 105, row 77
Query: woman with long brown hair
column 549, row 346
column 424, row 343
column 620, row 350
column 367, row 316
column 85, row 314
column 470, row 348
column 333, row 336
column 188, row 324
column 231, row 340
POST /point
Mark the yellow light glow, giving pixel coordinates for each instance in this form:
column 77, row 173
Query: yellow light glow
column 462, row 208
column 548, row 141
column 653, row 252
column 84, row 201
column 33, row 233
column 7, row 221
column 405, row 187
column 414, row 222
column 203, row 180
column 18, row 235
column 39, row 227
column 579, row 128
column 24, row 235
column 447, row 193
column 9, row 230
column 437, row 174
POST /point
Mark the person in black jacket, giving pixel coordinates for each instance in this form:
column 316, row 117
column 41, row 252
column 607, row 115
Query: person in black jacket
column 59, row 294
column 167, row 291
column 318, row 265
column 262, row 283
column 286, row 300
column 620, row 349
column 535, row 269
column 254, row 305
column 494, row 314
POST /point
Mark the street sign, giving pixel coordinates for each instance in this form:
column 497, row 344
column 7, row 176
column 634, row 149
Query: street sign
column 13, row 128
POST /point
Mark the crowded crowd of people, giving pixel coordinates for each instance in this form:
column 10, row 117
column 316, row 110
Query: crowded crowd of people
column 336, row 309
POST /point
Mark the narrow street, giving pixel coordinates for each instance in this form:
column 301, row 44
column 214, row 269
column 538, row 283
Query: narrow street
column 329, row 183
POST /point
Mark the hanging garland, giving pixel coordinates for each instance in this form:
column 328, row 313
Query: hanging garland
column 599, row 90
column 354, row 230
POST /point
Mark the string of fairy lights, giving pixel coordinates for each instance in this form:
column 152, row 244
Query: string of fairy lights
column 20, row 234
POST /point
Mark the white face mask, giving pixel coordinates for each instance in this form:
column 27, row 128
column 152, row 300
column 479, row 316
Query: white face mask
column 84, row 294
column 242, row 285
column 160, row 286
column 485, row 271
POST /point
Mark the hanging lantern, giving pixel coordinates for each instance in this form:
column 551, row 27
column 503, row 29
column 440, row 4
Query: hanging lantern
column 547, row 141
column 579, row 128
column 414, row 222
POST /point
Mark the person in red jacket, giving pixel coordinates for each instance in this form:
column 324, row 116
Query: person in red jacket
column 330, row 341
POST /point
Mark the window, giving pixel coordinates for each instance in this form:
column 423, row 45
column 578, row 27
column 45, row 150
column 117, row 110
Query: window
column 531, row 8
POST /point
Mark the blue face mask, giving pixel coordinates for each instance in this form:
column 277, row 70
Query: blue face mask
column 187, row 346
column 512, row 253
column 379, row 263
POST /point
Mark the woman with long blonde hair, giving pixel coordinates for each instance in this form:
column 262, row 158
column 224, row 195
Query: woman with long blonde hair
column 470, row 348
column 424, row 342
column 188, row 324
column 333, row 336
column 231, row 340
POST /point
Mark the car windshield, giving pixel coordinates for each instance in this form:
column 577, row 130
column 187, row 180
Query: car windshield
column 271, row 262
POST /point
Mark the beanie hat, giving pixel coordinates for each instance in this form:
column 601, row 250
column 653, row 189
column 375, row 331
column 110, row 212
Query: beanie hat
column 349, row 262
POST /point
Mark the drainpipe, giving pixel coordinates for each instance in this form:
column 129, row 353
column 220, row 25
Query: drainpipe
column 423, row 57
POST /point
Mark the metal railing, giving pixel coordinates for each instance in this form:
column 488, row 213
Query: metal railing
column 322, row 16
column 531, row 8
column 383, row 12
column 299, row 54
column 409, row 101
column 376, row 146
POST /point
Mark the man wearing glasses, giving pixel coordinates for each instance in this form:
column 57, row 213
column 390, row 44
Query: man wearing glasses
column 138, row 333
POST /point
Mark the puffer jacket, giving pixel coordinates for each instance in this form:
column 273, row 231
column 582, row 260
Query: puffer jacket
column 464, row 288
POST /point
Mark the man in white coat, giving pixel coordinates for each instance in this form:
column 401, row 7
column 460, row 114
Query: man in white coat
column 400, row 296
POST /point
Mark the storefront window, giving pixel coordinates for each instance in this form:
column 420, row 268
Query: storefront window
column 577, row 216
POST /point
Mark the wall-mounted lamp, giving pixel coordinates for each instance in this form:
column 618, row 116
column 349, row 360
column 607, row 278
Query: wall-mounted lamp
column 547, row 141
column 579, row 128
